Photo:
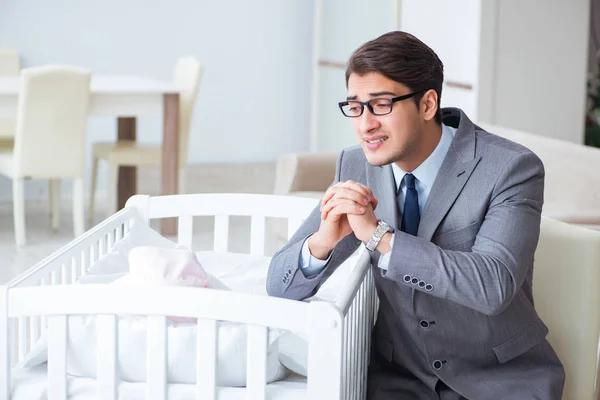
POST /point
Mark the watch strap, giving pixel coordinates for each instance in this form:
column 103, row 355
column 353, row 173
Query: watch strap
column 382, row 229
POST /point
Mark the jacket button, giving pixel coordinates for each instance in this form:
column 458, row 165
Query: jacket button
column 407, row 278
column 429, row 287
column 414, row 281
column 422, row 284
column 437, row 365
column 424, row 324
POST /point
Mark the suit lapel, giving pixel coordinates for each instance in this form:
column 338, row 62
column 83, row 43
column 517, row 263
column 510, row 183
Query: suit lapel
column 448, row 184
column 459, row 163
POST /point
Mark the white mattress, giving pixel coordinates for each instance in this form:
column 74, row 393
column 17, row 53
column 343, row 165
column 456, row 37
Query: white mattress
column 30, row 384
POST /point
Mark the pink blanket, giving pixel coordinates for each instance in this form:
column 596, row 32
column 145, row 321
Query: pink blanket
column 156, row 266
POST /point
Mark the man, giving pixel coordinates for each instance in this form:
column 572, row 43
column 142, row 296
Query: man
column 451, row 214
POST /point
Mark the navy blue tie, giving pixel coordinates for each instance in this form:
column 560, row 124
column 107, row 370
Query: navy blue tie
column 411, row 216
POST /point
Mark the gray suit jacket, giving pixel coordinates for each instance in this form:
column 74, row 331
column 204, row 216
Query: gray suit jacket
column 456, row 302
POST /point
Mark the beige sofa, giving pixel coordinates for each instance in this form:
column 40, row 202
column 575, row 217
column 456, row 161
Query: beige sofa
column 566, row 291
column 572, row 189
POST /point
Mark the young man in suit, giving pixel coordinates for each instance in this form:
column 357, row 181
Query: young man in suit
column 451, row 216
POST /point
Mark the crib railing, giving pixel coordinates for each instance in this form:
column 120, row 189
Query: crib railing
column 62, row 267
column 223, row 205
column 106, row 302
column 339, row 334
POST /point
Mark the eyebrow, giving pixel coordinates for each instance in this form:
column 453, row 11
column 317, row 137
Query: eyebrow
column 375, row 94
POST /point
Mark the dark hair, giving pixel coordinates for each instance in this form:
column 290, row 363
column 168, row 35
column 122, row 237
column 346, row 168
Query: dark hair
column 403, row 58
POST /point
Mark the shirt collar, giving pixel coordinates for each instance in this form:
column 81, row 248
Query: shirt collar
column 427, row 171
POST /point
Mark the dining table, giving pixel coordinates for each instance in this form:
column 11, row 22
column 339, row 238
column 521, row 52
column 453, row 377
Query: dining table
column 125, row 97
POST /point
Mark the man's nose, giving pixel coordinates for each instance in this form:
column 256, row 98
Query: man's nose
column 368, row 121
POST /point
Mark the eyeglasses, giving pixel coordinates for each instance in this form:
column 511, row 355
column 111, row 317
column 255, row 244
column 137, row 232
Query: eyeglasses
column 378, row 106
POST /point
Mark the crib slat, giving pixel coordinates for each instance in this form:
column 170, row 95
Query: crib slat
column 119, row 233
column 44, row 319
column 22, row 346
column 346, row 357
column 257, row 235
column 101, row 246
column 57, row 357
column 14, row 338
column 185, row 228
column 106, row 359
column 221, row 233
column 156, row 358
column 5, row 359
column 65, row 274
column 367, row 329
column 34, row 330
column 256, row 369
column 354, row 354
column 110, row 240
column 85, row 260
column 368, row 325
column 74, row 270
column 93, row 251
column 357, row 343
column 206, row 360
column 361, row 335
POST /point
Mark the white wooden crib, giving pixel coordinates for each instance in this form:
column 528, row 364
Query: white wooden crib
column 44, row 296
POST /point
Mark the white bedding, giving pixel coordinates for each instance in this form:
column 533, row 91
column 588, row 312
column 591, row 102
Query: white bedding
column 31, row 384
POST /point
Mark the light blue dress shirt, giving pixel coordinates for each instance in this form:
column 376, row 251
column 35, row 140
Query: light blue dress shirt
column 425, row 175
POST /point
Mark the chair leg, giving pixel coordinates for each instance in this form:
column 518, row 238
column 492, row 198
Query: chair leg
column 78, row 208
column 54, row 194
column 50, row 200
column 113, row 180
column 94, row 182
column 182, row 181
column 19, row 211
column 92, row 209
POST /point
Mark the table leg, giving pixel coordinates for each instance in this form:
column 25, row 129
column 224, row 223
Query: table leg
column 127, row 186
column 170, row 155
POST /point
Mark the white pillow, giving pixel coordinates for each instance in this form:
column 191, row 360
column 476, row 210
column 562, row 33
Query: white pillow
column 293, row 352
column 293, row 346
column 181, row 342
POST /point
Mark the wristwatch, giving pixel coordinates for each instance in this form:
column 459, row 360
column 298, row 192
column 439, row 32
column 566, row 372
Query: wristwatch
column 382, row 229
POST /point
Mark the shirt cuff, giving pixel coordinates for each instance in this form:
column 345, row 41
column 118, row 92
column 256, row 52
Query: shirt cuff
column 310, row 265
column 384, row 260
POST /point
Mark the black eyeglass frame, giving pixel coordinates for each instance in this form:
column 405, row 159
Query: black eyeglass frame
column 392, row 100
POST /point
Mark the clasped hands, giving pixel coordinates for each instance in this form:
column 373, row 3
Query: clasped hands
column 346, row 207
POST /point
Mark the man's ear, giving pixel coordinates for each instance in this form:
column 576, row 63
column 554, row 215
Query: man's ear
column 429, row 104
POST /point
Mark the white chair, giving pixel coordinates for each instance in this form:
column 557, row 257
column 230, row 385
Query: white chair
column 187, row 76
column 9, row 66
column 9, row 62
column 566, row 291
column 49, row 139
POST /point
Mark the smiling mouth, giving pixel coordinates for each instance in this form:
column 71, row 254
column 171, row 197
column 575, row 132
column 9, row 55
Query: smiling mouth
column 375, row 141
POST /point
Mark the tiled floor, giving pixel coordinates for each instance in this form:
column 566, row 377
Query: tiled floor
column 42, row 240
